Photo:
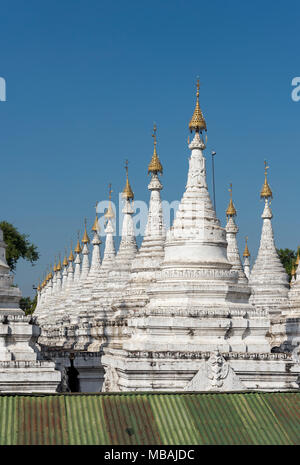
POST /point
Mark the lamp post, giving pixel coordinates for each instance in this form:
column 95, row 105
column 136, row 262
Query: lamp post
column 213, row 178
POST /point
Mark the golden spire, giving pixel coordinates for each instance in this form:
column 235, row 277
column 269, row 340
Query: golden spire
column 65, row 262
column 85, row 239
column 78, row 247
column 155, row 165
column 293, row 271
column 96, row 227
column 58, row 268
column 39, row 286
column 54, row 267
column 127, row 192
column 197, row 122
column 266, row 191
column 246, row 251
column 71, row 256
column 109, row 212
column 231, row 211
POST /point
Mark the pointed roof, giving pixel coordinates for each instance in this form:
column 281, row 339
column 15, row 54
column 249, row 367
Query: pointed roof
column 231, row 211
column 96, row 226
column 266, row 192
column 85, row 239
column 65, row 262
column 58, row 268
column 127, row 192
column 71, row 256
column 246, row 251
column 197, row 122
column 109, row 211
column 78, row 247
column 155, row 165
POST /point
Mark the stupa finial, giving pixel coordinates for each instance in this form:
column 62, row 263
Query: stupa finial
column 127, row 192
column 71, row 256
column 231, row 211
column 78, row 246
column 85, row 239
column 246, row 251
column 109, row 212
column 197, row 122
column 58, row 268
column 155, row 165
column 65, row 262
column 266, row 192
column 96, row 227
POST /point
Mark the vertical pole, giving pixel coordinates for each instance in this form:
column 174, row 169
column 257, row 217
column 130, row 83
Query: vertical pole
column 213, row 178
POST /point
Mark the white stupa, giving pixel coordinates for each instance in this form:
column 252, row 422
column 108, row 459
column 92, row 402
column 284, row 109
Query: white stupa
column 22, row 368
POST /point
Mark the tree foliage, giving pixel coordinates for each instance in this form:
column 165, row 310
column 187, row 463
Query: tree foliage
column 28, row 305
column 287, row 257
column 18, row 246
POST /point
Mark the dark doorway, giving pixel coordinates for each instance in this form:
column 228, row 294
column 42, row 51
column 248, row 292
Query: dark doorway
column 73, row 380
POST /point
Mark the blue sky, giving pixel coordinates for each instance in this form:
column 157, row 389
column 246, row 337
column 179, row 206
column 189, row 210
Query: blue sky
column 87, row 79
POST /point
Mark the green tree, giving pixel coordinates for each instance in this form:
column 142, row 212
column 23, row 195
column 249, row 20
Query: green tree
column 287, row 257
column 28, row 305
column 18, row 246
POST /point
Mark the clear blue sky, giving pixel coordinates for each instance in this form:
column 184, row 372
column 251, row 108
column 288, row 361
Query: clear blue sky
column 86, row 79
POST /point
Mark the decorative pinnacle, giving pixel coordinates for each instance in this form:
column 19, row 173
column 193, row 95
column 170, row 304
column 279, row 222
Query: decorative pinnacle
column 109, row 212
column 246, row 251
column 293, row 270
column 71, row 256
column 155, row 165
column 231, row 211
column 58, row 268
column 78, row 247
column 96, row 227
column 197, row 122
column 65, row 262
column 85, row 239
column 127, row 192
column 266, row 192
